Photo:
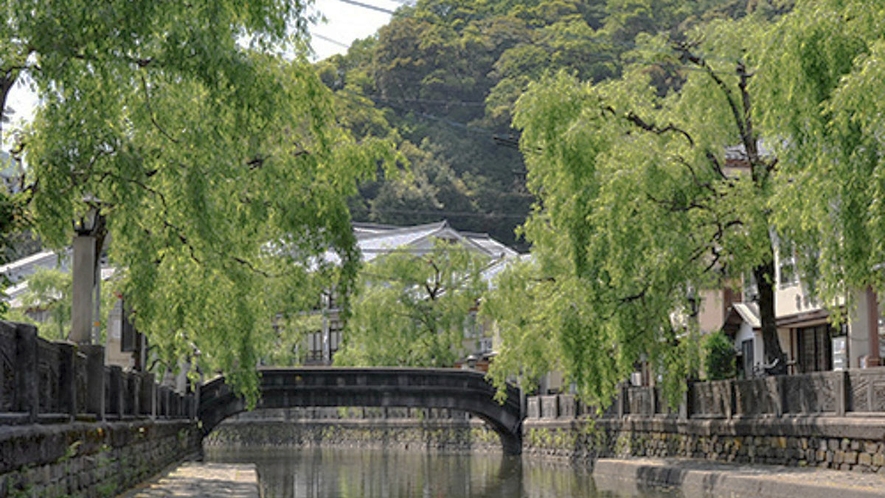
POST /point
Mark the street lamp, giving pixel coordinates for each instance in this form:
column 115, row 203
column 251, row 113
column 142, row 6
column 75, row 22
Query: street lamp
column 88, row 228
column 85, row 224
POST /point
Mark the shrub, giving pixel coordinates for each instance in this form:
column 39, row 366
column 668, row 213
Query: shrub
column 719, row 356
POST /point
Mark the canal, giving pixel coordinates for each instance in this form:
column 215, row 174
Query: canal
column 369, row 473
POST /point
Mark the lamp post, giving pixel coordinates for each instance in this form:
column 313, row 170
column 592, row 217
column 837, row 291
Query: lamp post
column 88, row 229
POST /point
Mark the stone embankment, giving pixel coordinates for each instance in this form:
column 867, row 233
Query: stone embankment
column 413, row 429
column 828, row 420
column 89, row 459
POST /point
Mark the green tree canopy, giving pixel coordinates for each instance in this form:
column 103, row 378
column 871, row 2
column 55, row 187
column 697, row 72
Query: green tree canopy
column 445, row 74
column 411, row 308
column 820, row 87
column 216, row 160
column 644, row 198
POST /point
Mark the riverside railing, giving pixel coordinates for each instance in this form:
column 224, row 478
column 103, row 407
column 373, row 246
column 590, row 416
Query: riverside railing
column 856, row 392
column 56, row 382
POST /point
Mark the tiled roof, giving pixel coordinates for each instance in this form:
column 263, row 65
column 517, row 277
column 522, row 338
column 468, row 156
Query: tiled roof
column 381, row 239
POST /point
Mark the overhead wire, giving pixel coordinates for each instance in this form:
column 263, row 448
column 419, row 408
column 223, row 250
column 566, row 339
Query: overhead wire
column 330, row 40
column 568, row 36
column 368, row 6
column 506, row 140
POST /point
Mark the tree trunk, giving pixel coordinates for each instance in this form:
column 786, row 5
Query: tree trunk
column 775, row 359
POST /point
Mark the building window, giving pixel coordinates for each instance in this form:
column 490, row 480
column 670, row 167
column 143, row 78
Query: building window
column 335, row 328
column 751, row 290
column 788, row 275
column 815, row 348
column 314, row 347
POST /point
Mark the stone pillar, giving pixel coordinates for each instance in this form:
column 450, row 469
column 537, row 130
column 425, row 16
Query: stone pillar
column 116, row 391
column 83, row 274
column 67, row 378
column 148, row 403
column 841, row 392
column 27, row 398
column 95, row 402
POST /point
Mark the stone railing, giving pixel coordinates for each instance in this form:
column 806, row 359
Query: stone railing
column 56, row 382
column 852, row 392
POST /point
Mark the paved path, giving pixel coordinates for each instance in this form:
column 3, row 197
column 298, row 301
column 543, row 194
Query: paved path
column 203, row 480
column 698, row 478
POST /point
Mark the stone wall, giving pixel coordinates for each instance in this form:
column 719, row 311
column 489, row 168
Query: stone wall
column 399, row 428
column 855, row 443
column 72, row 426
column 89, row 459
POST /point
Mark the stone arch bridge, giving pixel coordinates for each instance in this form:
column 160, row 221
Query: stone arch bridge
column 465, row 390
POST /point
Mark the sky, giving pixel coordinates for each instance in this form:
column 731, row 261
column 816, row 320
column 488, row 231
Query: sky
column 345, row 21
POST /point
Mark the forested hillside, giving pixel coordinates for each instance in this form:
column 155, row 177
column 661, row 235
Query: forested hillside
column 442, row 78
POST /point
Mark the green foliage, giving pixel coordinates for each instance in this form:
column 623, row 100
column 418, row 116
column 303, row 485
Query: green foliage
column 218, row 163
column 719, row 356
column 446, row 74
column 527, row 312
column 638, row 208
column 291, row 332
column 412, row 308
column 49, row 290
column 819, row 86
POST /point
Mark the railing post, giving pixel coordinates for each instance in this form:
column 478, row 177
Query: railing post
column 146, row 394
column 729, row 399
column 685, row 406
column 95, row 402
column 115, row 400
column 653, row 401
column 780, row 395
column 135, row 393
column 840, row 391
column 67, row 378
column 28, row 399
column 622, row 402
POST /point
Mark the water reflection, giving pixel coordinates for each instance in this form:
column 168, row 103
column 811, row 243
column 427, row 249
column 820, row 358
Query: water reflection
column 358, row 473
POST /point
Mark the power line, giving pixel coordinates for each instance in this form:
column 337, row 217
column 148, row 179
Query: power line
column 368, row 6
column 327, row 39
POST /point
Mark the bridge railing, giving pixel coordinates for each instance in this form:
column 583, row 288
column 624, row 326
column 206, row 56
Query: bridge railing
column 854, row 392
column 52, row 382
column 431, row 378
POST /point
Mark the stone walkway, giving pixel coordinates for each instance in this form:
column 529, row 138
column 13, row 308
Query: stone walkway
column 203, row 480
column 697, row 478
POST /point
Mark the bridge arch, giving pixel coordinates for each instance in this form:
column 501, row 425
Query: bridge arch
column 465, row 390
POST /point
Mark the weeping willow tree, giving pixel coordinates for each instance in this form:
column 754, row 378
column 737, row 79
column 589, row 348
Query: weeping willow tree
column 217, row 161
column 821, row 85
column 412, row 308
column 640, row 208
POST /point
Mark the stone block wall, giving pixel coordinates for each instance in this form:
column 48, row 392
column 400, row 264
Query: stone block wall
column 398, row 433
column 839, row 443
column 89, row 459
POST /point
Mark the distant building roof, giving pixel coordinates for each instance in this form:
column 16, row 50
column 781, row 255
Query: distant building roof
column 374, row 240
column 22, row 268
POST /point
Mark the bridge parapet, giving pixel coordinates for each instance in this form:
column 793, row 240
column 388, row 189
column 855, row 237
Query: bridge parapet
column 386, row 387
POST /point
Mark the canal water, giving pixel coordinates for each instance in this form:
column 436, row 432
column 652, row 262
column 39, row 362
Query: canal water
column 368, row 473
